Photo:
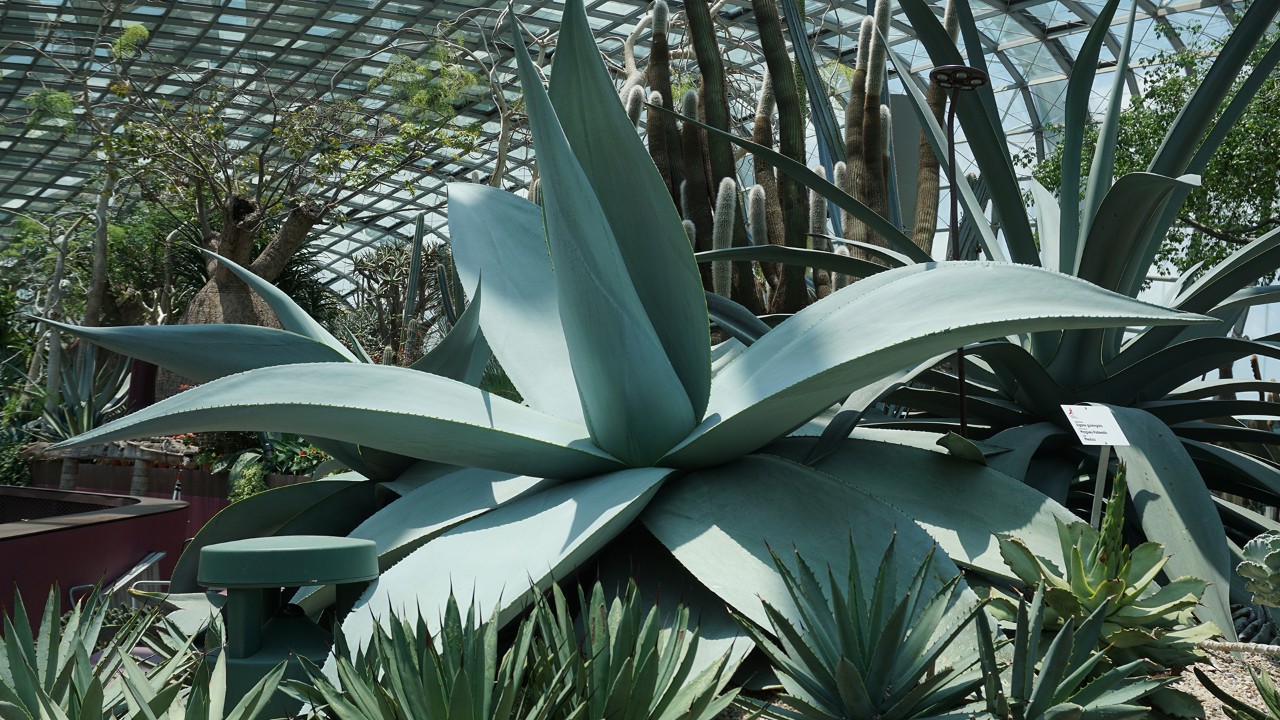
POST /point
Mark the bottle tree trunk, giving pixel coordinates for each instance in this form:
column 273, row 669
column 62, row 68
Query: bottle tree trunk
column 224, row 298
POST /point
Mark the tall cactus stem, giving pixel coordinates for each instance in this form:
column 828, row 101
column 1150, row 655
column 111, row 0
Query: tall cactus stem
column 695, row 192
column 715, row 108
column 855, row 229
column 692, row 232
column 635, row 77
column 928, row 185
column 664, row 138
column 818, row 226
column 871, row 175
column 757, row 214
column 793, row 293
column 762, row 134
column 722, row 235
column 840, row 175
column 634, row 104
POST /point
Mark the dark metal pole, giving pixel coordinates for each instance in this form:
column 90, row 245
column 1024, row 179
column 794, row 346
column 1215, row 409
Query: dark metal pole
column 956, row 78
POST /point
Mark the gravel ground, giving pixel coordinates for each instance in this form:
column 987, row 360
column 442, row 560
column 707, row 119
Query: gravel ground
column 1224, row 670
column 1232, row 676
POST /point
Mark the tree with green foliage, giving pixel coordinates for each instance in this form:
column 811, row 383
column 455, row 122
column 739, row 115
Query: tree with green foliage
column 318, row 153
column 1239, row 194
column 70, row 102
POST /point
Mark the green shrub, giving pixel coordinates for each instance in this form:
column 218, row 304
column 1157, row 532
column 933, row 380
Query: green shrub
column 14, row 469
column 247, row 479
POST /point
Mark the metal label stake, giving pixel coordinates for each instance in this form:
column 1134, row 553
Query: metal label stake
column 1096, row 426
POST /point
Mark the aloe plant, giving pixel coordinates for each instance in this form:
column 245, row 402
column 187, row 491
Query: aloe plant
column 882, row 650
column 1260, row 568
column 1184, row 440
column 1060, row 680
column 1142, row 620
column 593, row 305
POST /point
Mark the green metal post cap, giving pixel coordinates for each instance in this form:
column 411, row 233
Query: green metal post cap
column 288, row 561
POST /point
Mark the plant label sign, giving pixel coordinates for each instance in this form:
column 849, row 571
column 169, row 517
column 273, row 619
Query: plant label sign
column 1095, row 425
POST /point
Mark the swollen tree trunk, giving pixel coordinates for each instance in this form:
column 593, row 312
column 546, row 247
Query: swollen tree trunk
column 290, row 238
column 224, row 298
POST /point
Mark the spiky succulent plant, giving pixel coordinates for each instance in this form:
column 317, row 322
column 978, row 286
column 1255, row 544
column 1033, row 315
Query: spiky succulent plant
column 1260, row 568
column 1060, row 680
column 882, row 650
column 1184, row 439
column 1141, row 620
column 592, row 304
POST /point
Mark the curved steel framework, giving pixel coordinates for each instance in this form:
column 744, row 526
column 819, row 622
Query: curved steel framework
column 334, row 47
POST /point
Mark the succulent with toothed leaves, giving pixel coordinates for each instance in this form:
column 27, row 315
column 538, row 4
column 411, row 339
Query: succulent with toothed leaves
column 1185, row 439
column 632, row 422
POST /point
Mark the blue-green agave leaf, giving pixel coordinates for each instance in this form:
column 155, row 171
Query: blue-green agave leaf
column 1113, row 250
column 1175, row 508
column 207, row 352
column 936, row 495
column 291, row 317
column 1102, row 171
column 387, row 408
column 498, row 560
column 635, row 201
column 1201, row 111
column 1242, row 268
column 463, row 353
column 1114, row 245
column 1169, row 368
column 867, row 331
column 760, row 502
column 1075, row 120
column 520, row 317
column 1048, row 225
column 422, row 514
column 740, row 323
column 633, row 401
column 803, row 257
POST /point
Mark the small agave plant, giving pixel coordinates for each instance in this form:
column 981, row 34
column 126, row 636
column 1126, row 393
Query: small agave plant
column 593, row 306
column 1141, row 620
column 881, row 651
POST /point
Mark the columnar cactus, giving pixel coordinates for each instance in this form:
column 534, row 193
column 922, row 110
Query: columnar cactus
column 722, row 235
column 928, row 184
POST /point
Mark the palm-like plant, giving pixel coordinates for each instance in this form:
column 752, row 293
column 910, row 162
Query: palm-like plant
column 1107, row 234
column 599, row 320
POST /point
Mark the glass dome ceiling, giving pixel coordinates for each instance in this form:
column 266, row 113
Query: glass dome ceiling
column 334, row 47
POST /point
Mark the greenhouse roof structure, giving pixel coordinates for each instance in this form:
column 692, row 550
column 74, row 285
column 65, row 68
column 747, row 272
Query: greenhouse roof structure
column 334, row 48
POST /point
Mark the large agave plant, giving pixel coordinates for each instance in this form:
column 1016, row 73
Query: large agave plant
column 1185, row 440
column 593, row 306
